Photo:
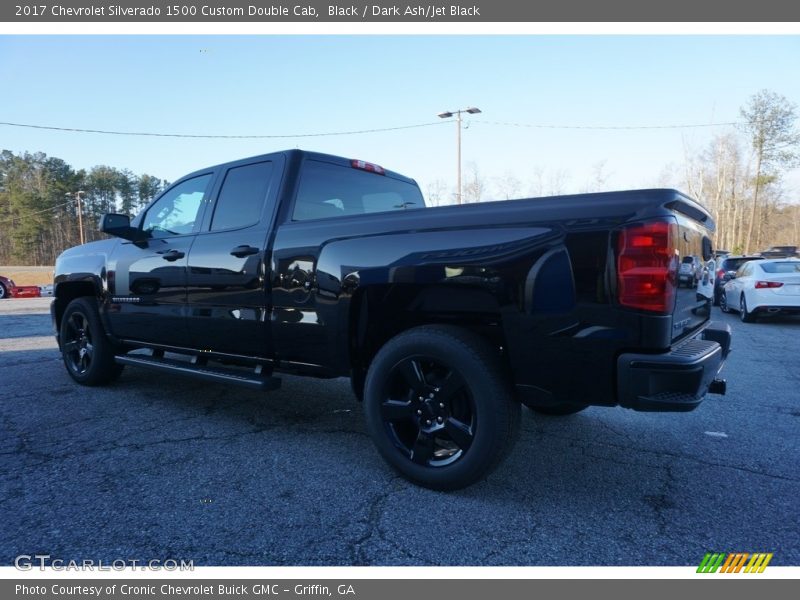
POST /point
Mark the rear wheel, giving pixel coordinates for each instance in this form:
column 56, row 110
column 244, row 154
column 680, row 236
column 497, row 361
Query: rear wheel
column 439, row 407
column 87, row 352
column 746, row 317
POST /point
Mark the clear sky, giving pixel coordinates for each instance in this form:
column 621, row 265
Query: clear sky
column 286, row 85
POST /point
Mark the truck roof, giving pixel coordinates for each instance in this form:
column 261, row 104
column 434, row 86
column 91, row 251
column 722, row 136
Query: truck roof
column 296, row 155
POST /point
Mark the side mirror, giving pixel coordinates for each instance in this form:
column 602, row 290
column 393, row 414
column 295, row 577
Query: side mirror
column 120, row 226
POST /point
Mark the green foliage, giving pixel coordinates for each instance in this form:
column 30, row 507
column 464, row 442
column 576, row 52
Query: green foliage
column 770, row 123
column 38, row 205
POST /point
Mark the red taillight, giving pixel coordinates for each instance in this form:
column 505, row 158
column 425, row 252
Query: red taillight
column 646, row 266
column 768, row 284
column 365, row 166
column 720, row 273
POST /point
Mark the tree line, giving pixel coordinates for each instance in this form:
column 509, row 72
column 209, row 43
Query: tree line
column 39, row 204
column 739, row 177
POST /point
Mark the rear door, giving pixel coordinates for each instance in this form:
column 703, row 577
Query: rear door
column 228, row 296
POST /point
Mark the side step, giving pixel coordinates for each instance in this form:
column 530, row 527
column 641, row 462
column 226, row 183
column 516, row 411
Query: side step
column 220, row 375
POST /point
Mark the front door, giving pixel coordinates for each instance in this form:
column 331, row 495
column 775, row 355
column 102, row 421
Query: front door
column 147, row 280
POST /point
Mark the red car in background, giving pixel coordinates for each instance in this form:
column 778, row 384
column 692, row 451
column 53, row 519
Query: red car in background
column 6, row 285
column 9, row 290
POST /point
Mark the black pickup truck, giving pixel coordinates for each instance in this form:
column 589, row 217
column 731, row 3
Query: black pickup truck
column 446, row 319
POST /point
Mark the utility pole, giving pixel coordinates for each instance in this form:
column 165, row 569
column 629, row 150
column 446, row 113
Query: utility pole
column 78, row 195
column 446, row 115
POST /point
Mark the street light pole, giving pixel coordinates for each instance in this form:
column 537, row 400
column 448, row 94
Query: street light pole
column 446, row 115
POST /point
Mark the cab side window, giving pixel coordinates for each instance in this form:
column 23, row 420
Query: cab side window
column 242, row 196
column 178, row 210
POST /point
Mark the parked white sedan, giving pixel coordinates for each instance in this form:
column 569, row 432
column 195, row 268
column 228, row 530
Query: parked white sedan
column 763, row 287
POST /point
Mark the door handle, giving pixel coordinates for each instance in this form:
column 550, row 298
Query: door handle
column 172, row 255
column 242, row 251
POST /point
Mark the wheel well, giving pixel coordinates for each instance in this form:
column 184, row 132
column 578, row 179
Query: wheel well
column 66, row 293
column 379, row 313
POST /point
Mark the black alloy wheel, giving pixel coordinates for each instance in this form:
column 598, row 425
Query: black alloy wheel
column 77, row 341
column 87, row 352
column 439, row 406
column 428, row 411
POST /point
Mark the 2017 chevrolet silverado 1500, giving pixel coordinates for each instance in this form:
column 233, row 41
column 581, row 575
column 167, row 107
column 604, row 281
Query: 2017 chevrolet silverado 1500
column 446, row 319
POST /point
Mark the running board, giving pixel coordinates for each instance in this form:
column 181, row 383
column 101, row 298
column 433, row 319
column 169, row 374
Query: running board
column 165, row 365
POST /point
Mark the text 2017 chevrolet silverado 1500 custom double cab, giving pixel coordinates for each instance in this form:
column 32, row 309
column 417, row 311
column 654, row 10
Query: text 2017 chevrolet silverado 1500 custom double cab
column 445, row 319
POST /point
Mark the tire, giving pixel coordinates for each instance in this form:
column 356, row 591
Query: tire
column 746, row 317
column 559, row 410
column 439, row 407
column 88, row 354
column 723, row 302
column 3, row 291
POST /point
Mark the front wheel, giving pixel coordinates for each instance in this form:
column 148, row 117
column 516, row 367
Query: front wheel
column 87, row 352
column 3, row 291
column 439, row 407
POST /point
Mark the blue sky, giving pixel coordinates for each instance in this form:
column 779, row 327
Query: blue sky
column 273, row 84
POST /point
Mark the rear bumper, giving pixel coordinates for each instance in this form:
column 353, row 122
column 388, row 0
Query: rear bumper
column 676, row 380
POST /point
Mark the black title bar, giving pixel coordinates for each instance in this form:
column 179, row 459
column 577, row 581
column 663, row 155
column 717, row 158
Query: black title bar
column 316, row 11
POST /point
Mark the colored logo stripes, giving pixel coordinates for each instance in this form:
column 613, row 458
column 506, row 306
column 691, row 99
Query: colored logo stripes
column 734, row 562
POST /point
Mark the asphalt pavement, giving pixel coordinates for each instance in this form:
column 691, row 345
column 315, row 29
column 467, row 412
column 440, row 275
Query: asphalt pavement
column 169, row 468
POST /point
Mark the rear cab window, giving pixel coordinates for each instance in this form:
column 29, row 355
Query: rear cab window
column 781, row 267
column 327, row 190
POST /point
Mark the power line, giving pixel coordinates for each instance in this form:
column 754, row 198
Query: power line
column 604, row 127
column 362, row 131
column 190, row 135
column 11, row 219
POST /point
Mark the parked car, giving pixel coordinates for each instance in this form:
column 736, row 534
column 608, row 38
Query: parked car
column 690, row 271
column 25, row 291
column 6, row 285
column 445, row 318
column 726, row 270
column 780, row 252
column 718, row 254
column 763, row 287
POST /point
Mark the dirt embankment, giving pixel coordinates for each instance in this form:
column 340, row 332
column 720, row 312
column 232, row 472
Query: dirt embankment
column 28, row 275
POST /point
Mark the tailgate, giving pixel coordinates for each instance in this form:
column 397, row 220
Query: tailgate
column 693, row 298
